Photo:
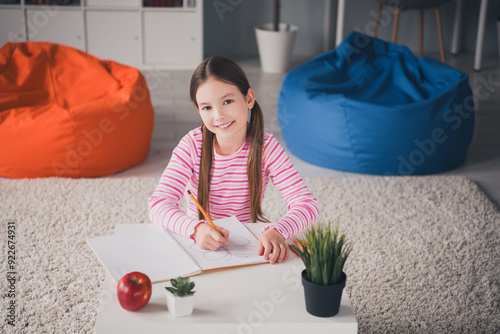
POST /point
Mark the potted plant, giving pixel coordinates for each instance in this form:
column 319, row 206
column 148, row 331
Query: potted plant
column 180, row 297
column 324, row 252
column 275, row 42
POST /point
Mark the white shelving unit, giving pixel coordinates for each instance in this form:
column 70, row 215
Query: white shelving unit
column 149, row 34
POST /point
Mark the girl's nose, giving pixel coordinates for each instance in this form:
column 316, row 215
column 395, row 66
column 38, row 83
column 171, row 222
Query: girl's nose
column 218, row 116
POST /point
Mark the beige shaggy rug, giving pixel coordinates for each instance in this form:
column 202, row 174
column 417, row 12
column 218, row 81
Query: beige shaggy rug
column 426, row 257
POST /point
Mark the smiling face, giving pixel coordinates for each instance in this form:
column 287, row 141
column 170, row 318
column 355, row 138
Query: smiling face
column 224, row 111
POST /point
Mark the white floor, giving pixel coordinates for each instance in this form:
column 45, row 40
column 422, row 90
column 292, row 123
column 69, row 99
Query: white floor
column 175, row 116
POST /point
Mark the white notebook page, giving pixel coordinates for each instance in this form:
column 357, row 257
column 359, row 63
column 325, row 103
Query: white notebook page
column 151, row 251
column 242, row 248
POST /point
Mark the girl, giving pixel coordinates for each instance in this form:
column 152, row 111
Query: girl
column 226, row 164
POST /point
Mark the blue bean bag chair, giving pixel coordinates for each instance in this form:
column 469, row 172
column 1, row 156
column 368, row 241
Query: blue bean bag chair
column 370, row 106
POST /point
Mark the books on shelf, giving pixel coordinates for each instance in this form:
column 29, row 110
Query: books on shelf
column 52, row 2
column 10, row 2
column 108, row 3
column 167, row 3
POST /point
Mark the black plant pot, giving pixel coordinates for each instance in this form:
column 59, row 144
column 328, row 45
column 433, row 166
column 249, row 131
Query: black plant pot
column 323, row 300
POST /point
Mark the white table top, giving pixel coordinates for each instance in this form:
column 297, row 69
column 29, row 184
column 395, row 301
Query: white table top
column 261, row 298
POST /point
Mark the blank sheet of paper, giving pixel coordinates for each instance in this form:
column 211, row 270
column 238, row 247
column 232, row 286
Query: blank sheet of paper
column 152, row 252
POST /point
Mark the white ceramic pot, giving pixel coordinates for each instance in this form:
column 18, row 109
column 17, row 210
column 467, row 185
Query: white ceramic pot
column 179, row 306
column 275, row 47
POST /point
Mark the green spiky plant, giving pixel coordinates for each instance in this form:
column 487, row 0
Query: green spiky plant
column 324, row 252
column 181, row 287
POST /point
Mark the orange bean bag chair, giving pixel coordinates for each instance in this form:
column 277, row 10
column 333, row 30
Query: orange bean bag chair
column 66, row 113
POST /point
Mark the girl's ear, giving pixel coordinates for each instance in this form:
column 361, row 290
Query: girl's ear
column 250, row 98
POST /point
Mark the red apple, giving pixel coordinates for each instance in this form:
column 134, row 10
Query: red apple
column 134, row 291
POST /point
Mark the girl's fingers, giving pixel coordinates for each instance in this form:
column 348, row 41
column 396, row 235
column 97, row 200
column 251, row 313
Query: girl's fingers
column 276, row 249
column 281, row 254
column 225, row 233
column 222, row 236
column 267, row 249
column 217, row 237
column 260, row 249
column 212, row 241
column 207, row 243
column 215, row 245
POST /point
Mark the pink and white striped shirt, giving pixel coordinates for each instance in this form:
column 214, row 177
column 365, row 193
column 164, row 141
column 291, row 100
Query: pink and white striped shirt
column 229, row 193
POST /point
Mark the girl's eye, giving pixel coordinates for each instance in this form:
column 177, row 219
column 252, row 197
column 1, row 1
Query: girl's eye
column 206, row 108
column 228, row 101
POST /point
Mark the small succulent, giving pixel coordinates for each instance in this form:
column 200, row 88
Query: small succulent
column 181, row 287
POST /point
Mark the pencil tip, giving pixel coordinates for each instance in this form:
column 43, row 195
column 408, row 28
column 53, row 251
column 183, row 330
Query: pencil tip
column 189, row 192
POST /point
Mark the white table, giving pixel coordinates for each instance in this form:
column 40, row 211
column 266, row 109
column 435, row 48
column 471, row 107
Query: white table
column 251, row 299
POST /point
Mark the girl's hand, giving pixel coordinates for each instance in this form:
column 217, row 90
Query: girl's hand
column 208, row 238
column 273, row 242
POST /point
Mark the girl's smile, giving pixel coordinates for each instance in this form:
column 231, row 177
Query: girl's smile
column 225, row 125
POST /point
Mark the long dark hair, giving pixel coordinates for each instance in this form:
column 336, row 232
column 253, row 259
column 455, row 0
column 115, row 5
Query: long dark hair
column 228, row 71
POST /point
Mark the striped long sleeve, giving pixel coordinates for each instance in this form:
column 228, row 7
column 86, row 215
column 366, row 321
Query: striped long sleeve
column 229, row 193
column 302, row 207
column 163, row 205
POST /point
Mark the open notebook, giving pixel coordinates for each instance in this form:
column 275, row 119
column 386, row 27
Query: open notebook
column 163, row 255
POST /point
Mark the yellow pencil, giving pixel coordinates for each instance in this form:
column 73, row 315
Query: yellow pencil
column 204, row 213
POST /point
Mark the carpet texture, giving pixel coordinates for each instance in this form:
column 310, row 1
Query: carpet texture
column 426, row 255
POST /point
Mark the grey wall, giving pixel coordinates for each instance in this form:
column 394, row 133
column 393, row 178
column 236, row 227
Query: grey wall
column 228, row 25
